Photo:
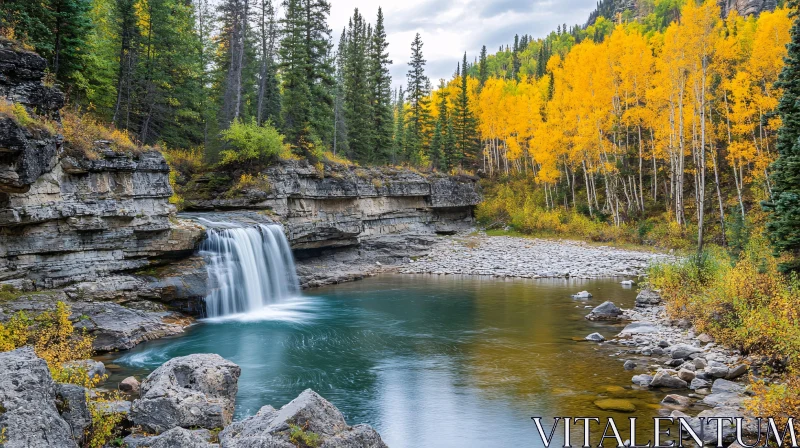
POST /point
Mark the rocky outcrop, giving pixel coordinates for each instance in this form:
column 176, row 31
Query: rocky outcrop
column 67, row 218
column 191, row 391
column 26, row 152
column 27, row 403
column 311, row 416
column 114, row 326
column 747, row 7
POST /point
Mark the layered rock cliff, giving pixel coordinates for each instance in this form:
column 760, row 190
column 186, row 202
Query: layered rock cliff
column 342, row 219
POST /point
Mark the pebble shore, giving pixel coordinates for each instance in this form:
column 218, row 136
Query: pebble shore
column 504, row 256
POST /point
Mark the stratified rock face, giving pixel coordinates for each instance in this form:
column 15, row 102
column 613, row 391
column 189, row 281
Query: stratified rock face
column 347, row 218
column 747, row 7
column 27, row 403
column 191, row 391
column 309, row 412
column 25, row 154
column 65, row 219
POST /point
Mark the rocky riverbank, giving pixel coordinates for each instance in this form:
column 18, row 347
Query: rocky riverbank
column 188, row 402
column 477, row 254
column 698, row 376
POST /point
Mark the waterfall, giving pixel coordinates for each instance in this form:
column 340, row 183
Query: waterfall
column 248, row 268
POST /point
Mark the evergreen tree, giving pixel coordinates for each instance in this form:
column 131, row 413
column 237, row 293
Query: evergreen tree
column 515, row 63
column 340, row 143
column 483, row 70
column 381, row 83
column 235, row 16
column 417, row 100
column 464, row 125
column 399, row 144
column 307, row 75
column 268, row 105
column 439, row 152
column 357, row 91
column 784, row 206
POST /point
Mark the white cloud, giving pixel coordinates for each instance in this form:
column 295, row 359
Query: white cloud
column 451, row 27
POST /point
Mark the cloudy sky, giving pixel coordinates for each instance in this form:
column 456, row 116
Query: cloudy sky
column 451, row 27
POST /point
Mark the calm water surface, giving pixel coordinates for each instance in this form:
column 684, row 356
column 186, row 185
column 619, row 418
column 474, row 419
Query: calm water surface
column 429, row 361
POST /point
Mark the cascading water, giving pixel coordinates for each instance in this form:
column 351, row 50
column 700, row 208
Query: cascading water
column 248, row 268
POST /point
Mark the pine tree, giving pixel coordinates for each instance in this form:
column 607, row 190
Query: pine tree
column 784, row 206
column 417, row 99
column 340, row 143
column 483, row 70
column 268, row 105
column 357, row 91
column 399, row 144
column 515, row 62
column 464, row 125
column 439, row 152
column 236, row 14
column 381, row 83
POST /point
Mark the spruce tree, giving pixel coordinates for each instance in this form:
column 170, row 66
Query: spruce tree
column 399, row 144
column 464, row 124
column 483, row 69
column 381, row 83
column 357, row 92
column 784, row 205
column 268, row 104
column 296, row 100
column 417, row 93
column 439, row 152
column 340, row 143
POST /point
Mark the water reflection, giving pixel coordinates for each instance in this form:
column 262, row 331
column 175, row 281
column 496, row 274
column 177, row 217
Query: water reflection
column 429, row 361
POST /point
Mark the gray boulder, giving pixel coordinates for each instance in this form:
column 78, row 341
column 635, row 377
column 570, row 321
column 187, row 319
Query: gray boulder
column 640, row 328
column 606, row 311
column 686, row 375
column 71, row 402
column 28, row 397
column 648, row 297
column 595, row 337
column 721, row 385
column 683, row 351
column 717, row 371
column 312, row 414
column 629, row 365
column 699, row 383
column 642, row 380
column 664, row 379
column 737, row 371
column 174, row 438
column 190, row 391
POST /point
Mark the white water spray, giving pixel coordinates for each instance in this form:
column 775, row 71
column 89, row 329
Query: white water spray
column 248, row 268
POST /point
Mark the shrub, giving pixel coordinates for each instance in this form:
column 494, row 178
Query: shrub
column 81, row 131
column 746, row 302
column 54, row 339
column 105, row 424
column 302, row 438
column 249, row 182
column 250, row 143
column 20, row 115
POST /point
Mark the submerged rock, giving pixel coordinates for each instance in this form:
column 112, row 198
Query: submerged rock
column 190, row 391
column 615, row 404
column 27, row 403
column 308, row 416
column 582, row 295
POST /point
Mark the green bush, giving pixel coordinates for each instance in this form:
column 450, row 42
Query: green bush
column 250, row 143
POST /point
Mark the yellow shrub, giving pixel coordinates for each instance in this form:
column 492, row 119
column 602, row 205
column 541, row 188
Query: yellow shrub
column 20, row 115
column 747, row 303
column 81, row 131
column 54, row 339
column 105, row 424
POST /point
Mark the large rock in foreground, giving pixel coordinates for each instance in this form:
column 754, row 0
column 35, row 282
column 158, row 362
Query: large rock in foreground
column 307, row 417
column 606, row 311
column 27, row 403
column 195, row 391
